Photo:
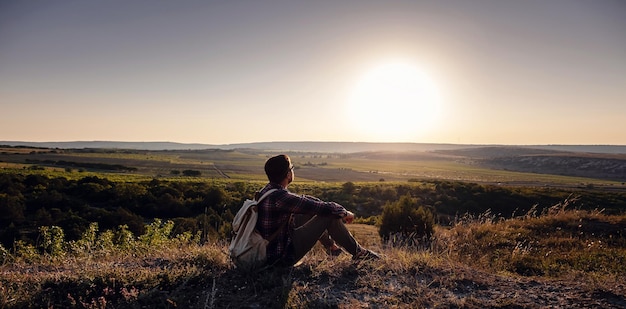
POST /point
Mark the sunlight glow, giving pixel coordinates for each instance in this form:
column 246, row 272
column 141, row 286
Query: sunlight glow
column 394, row 101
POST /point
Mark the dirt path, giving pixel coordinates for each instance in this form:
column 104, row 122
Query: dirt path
column 220, row 172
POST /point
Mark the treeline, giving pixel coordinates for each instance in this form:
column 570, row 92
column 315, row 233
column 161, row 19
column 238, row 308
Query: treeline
column 70, row 164
column 30, row 201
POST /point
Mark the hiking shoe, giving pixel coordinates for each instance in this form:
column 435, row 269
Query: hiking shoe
column 366, row 255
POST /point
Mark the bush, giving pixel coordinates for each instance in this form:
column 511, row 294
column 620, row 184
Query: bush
column 53, row 240
column 25, row 251
column 87, row 242
column 405, row 222
column 157, row 233
column 193, row 173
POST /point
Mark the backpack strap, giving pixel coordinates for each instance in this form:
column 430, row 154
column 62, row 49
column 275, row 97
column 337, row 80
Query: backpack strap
column 266, row 194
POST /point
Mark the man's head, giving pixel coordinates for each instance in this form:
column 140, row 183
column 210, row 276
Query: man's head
column 277, row 169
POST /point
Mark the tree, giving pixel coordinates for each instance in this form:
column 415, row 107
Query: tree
column 11, row 209
column 191, row 173
column 348, row 187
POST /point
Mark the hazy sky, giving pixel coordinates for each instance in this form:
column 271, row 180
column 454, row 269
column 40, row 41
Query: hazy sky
column 218, row 72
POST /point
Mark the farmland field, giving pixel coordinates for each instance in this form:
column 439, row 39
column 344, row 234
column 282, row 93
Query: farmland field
column 247, row 164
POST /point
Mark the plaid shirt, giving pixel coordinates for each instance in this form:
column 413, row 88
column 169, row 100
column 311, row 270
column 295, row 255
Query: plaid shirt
column 277, row 208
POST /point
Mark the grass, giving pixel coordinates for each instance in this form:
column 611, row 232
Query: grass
column 556, row 257
column 122, row 279
column 561, row 242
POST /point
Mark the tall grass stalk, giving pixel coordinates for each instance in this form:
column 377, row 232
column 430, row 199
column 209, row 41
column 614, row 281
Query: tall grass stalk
column 555, row 242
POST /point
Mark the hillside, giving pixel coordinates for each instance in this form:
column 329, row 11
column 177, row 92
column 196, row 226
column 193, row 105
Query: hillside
column 178, row 275
column 610, row 166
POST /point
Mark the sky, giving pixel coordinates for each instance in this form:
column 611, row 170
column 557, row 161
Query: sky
column 221, row 72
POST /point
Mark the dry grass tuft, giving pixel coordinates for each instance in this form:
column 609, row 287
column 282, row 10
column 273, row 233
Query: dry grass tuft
column 121, row 278
column 555, row 244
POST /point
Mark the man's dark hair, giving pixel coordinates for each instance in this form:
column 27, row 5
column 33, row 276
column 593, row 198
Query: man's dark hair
column 277, row 167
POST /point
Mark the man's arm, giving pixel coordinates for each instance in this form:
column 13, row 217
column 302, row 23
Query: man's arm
column 306, row 204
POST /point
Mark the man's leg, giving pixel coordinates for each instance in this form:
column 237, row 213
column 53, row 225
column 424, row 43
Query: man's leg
column 331, row 247
column 326, row 241
column 309, row 229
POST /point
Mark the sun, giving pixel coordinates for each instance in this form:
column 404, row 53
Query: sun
column 394, row 101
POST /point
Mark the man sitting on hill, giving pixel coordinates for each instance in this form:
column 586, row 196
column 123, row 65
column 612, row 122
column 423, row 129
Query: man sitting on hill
column 299, row 221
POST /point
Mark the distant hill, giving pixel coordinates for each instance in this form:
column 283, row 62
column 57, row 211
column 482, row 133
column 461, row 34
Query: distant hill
column 338, row 147
column 599, row 162
column 111, row 145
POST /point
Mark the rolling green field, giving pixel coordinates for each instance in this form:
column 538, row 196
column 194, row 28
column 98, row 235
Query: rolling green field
column 248, row 165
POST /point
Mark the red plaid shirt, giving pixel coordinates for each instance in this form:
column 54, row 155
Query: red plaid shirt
column 277, row 208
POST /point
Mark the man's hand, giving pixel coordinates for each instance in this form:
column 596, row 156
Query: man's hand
column 349, row 217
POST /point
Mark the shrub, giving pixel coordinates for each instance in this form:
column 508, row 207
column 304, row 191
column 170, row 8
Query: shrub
column 371, row 220
column 105, row 240
column 124, row 238
column 406, row 222
column 192, row 173
column 157, row 233
column 53, row 240
column 25, row 251
column 348, row 188
column 87, row 242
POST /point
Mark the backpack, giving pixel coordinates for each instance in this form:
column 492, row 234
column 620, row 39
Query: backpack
column 247, row 248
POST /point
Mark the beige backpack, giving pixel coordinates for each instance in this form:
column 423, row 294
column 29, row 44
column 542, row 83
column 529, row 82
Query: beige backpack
column 247, row 248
